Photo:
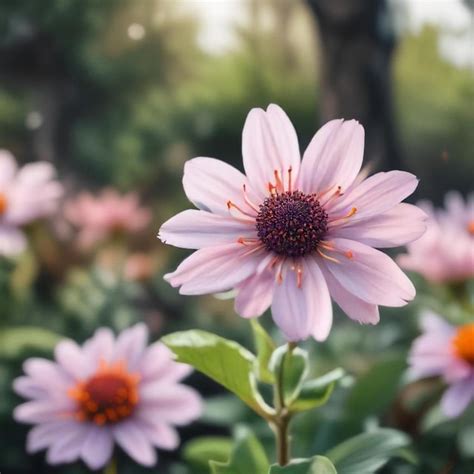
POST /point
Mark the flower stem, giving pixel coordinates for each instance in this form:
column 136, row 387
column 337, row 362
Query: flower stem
column 282, row 418
column 111, row 468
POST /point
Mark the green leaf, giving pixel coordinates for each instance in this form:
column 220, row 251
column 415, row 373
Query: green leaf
column 248, row 456
column 290, row 369
column 16, row 340
column 365, row 453
column 316, row 392
column 224, row 361
column 265, row 347
column 198, row 451
column 315, row 465
column 375, row 390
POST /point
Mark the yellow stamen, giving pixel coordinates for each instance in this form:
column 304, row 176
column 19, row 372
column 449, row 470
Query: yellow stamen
column 327, row 257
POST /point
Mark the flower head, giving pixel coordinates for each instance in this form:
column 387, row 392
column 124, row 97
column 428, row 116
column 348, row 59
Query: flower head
column 105, row 215
column 447, row 351
column 26, row 194
column 109, row 390
column 446, row 252
column 292, row 233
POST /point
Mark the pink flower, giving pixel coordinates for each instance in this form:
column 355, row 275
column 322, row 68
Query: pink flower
column 110, row 390
column 106, row 215
column 446, row 252
column 26, row 194
column 447, row 351
column 291, row 233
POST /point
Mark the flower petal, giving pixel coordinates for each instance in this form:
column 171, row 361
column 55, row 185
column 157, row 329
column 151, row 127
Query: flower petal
column 398, row 226
column 8, row 168
column 162, row 435
column 357, row 309
column 375, row 195
column 210, row 184
column 369, row 274
column 458, row 397
column 254, row 295
column 69, row 356
column 305, row 310
column 333, row 157
column 131, row 344
column 42, row 411
column 44, row 434
column 99, row 347
column 164, row 402
column 269, row 144
column 97, row 447
column 29, row 388
column 67, row 446
column 157, row 364
column 194, row 229
column 214, row 269
column 134, row 442
column 12, row 241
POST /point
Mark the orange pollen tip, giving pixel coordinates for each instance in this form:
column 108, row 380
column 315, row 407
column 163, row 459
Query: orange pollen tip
column 3, row 204
column 352, row 212
column 108, row 396
column 349, row 254
column 470, row 227
column 463, row 342
column 229, row 204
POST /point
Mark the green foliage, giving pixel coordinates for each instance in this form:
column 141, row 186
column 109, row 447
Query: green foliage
column 316, row 392
column 248, row 456
column 368, row 452
column 290, row 368
column 265, row 347
column 315, row 465
column 199, row 451
column 224, row 361
column 17, row 341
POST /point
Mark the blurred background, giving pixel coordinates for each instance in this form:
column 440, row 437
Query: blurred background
column 121, row 93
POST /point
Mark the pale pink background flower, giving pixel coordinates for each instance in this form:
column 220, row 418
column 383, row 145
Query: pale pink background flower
column 102, row 216
column 293, row 233
column 446, row 252
column 107, row 391
column 26, row 194
column 447, row 351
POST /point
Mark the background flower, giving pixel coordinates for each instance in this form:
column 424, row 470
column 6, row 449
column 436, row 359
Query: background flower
column 109, row 390
column 292, row 233
column 105, row 215
column 26, row 194
column 447, row 351
column 446, row 252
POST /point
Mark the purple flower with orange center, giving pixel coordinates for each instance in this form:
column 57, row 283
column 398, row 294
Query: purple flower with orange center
column 107, row 391
column 293, row 233
column 26, row 194
column 447, row 351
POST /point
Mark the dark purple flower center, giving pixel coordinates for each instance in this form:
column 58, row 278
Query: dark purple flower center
column 291, row 224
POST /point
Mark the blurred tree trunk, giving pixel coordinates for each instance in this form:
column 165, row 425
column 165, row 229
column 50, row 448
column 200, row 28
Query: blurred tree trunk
column 357, row 44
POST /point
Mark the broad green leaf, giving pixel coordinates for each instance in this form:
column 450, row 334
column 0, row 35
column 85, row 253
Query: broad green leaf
column 248, row 456
column 315, row 465
column 265, row 347
column 290, row 368
column 16, row 340
column 367, row 452
column 198, row 451
column 374, row 391
column 224, row 361
column 316, row 392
